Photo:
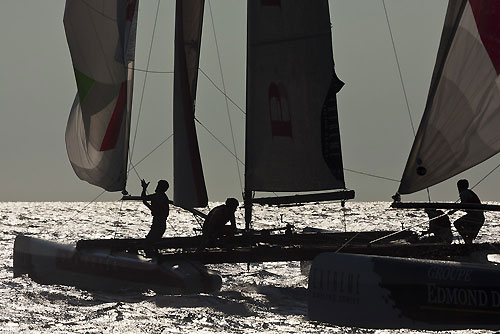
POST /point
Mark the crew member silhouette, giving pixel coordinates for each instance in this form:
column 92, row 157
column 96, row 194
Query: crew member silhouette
column 468, row 225
column 215, row 223
column 158, row 203
column 439, row 226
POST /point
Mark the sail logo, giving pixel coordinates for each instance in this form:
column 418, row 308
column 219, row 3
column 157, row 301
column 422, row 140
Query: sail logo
column 279, row 112
column 335, row 286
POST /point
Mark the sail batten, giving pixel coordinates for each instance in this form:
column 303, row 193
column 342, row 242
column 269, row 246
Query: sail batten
column 189, row 184
column 97, row 133
column 459, row 128
column 292, row 132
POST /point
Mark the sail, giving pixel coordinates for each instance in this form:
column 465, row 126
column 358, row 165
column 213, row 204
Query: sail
column 292, row 132
column 459, row 128
column 101, row 40
column 189, row 183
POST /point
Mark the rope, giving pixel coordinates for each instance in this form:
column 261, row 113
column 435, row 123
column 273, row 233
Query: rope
column 494, row 169
column 117, row 224
column 220, row 90
column 372, row 175
column 401, row 79
column 224, row 88
column 347, row 242
column 144, row 86
column 86, row 205
column 220, row 142
column 399, row 67
column 150, row 71
column 147, row 155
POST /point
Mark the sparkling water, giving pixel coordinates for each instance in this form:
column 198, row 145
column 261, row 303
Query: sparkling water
column 264, row 298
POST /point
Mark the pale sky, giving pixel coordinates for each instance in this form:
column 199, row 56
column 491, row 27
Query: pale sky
column 37, row 88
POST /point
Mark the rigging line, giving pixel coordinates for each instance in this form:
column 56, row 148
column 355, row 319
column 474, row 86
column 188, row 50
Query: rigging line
column 417, row 224
column 494, row 169
column 372, row 175
column 144, row 83
column 399, row 67
column 119, row 220
column 86, row 205
column 220, row 142
column 401, row 79
column 224, row 88
column 347, row 242
column 147, row 155
column 149, row 71
column 224, row 94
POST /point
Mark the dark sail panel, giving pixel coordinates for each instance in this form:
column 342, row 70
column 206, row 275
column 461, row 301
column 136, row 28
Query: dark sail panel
column 189, row 183
column 292, row 134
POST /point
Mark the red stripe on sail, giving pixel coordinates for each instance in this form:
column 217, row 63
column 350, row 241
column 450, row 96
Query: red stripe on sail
column 114, row 125
column 487, row 16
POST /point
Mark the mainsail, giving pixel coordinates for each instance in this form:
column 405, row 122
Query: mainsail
column 459, row 128
column 189, row 189
column 292, row 133
column 101, row 39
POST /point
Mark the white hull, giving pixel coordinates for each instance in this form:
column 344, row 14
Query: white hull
column 53, row 263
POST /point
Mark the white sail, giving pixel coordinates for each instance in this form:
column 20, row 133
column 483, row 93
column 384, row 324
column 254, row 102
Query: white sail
column 292, row 134
column 189, row 183
column 101, row 39
column 459, row 128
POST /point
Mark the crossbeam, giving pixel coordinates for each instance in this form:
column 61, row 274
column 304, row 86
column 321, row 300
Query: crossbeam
column 294, row 199
column 445, row 206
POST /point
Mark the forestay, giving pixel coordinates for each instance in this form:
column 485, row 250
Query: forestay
column 459, row 128
column 189, row 190
column 101, row 39
column 292, row 134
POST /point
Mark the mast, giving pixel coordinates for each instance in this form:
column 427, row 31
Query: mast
column 247, row 192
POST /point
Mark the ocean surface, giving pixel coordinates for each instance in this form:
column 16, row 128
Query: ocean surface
column 259, row 298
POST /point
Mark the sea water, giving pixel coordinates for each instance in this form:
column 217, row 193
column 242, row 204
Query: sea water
column 255, row 298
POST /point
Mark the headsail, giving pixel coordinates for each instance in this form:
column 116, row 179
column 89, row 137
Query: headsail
column 189, row 183
column 292, row 132
column 101, row 39
column 459, row 128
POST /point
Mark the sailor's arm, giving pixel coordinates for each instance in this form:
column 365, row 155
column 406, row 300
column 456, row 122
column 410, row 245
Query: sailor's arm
column 144, row 197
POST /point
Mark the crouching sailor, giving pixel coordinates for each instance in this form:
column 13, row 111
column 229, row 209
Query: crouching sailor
column 215, row 226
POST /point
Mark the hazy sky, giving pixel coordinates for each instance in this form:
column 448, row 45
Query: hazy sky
column 37, row 88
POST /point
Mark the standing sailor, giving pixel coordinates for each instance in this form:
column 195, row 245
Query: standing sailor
column 158, row 203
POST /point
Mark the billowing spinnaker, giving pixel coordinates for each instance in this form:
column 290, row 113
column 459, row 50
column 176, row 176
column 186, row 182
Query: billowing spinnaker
column 461, row 122
column 101, row 40
column 292, row 133
column 189, row 183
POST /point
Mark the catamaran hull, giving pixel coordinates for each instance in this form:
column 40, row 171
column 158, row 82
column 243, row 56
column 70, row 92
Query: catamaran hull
column 53, row 263
column 386, row 292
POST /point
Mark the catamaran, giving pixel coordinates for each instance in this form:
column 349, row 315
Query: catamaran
column 458, row 130
column 292, row 145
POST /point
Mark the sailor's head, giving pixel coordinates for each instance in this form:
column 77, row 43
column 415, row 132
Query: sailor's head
column 462, row 185
column 232, row 203
column 162, row 186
